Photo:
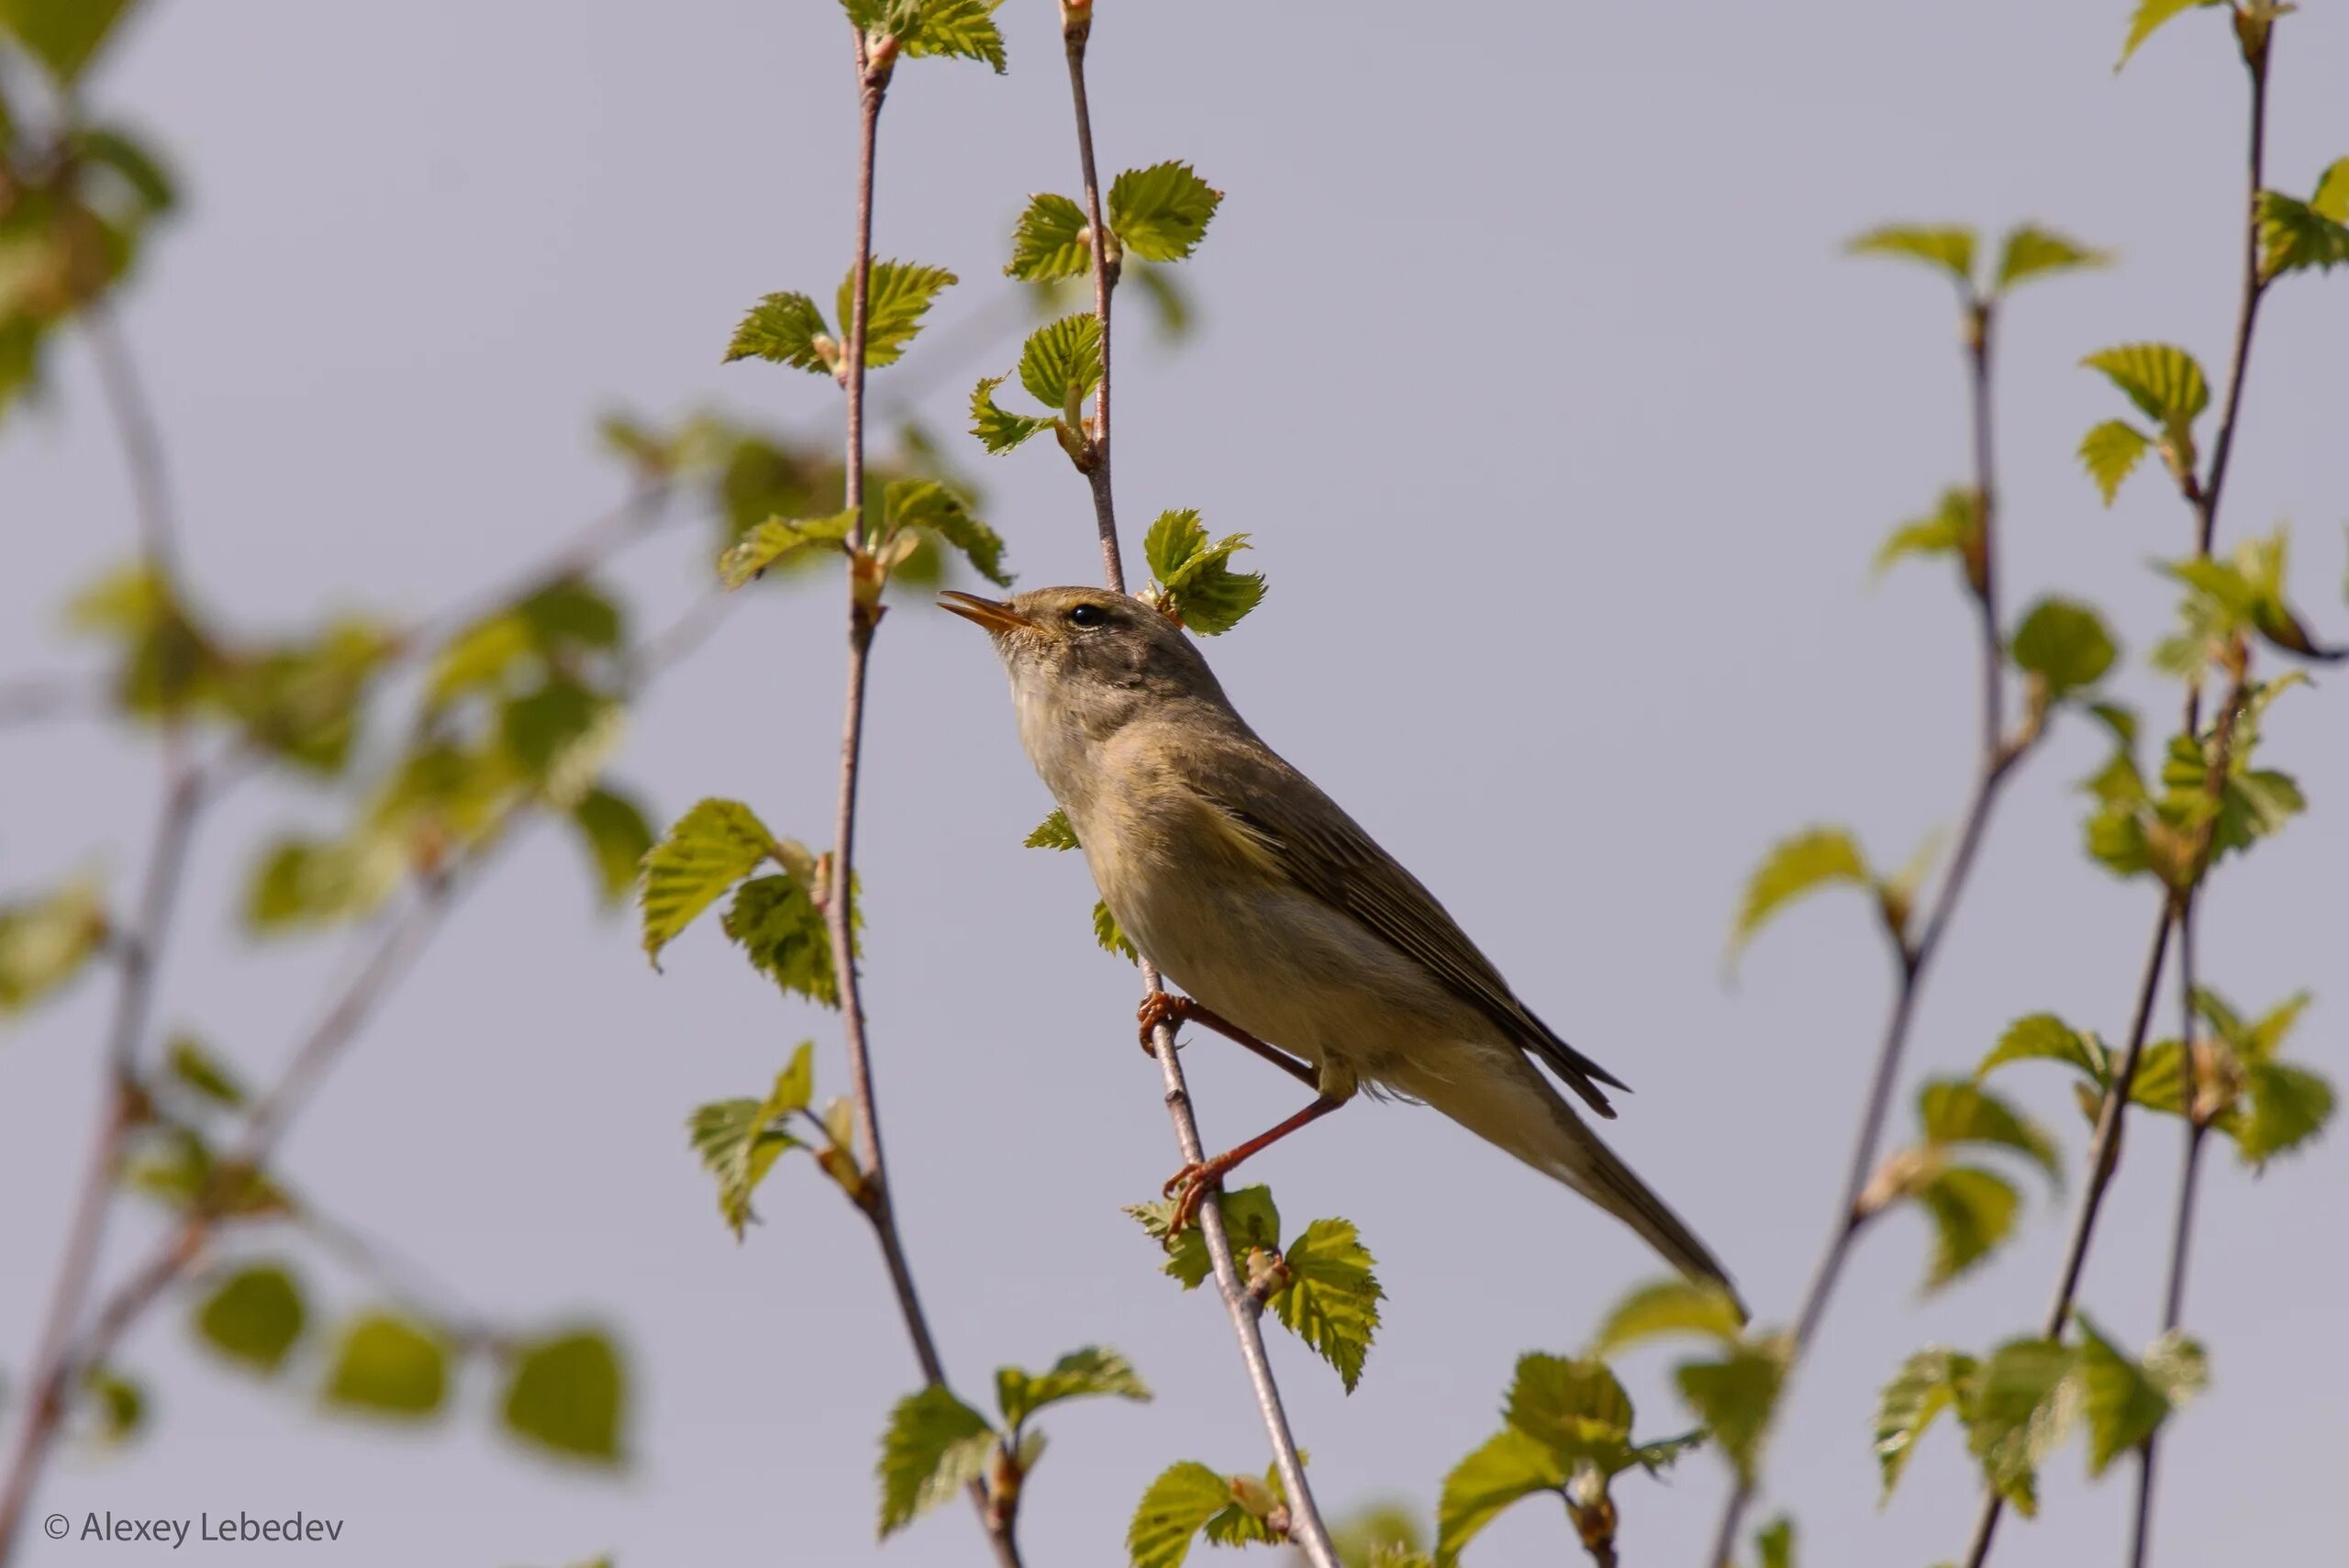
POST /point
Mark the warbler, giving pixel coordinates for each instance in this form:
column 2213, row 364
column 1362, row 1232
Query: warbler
column 1290, row 928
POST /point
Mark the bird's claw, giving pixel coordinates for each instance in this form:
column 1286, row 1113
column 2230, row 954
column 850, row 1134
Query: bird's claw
column 1189, row 1187
column 1160, row 1007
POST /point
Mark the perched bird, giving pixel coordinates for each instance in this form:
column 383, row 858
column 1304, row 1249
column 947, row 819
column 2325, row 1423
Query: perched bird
column 1291, row 929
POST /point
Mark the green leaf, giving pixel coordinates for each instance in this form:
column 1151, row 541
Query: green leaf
column 2332, row 197
column 739, row 1140
column 1669, row 1306
column 1578, row 1407
column 1928, row 1383
column 1774, row 1544
column 121, row 1400
column 45, row 941
column 253, row 1317
column 900, row 295
column 1162, row 213
column 2031, row 251
column 1951, row 528
column 1175, row 1508
column 1050, row 241
column 1949, row 248
column 388, row 1366
column 1332, row 1298
column 934, row 1446
column 559, row 737
column 2296, row 237
column 788, row 329
column 2111, row 452
column 2121, row 1402
column 64, row 35
column 1195, row 583
column 712, row 847
column 2023, row 1400
column 776, row 922
column 1510, row 1465
column 196, row 1070
column 997, row 429
column 1060, row 363
column 132, row 161
column 1383, row 1533
column 1251, row 1219
column 616, row 836
column 2063, row 644
column 1973, row 1210
column 926, row 504
column 1052, row 833
column 2150, row 15
column 567, row 1394
column 958, row 29
column 1954, row 1110
column 1735, row 1397
column 1079, row 1374
column 778, row 540
column 2284, row 1107
column 2165, row 382
column 2045, row 1037
column 1811, row 860
column 1112, row 939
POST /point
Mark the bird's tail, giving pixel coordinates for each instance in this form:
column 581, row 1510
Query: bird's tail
column 1521, row 1113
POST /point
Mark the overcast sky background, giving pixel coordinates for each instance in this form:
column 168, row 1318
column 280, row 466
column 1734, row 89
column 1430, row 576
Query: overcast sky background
column 1565, row 436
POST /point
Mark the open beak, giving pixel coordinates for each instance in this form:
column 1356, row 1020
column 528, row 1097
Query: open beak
column 992, row 614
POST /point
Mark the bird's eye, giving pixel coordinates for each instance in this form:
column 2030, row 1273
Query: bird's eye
column 1086, row 618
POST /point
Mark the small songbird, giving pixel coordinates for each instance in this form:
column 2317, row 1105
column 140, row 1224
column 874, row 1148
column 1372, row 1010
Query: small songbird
column 1290, row 928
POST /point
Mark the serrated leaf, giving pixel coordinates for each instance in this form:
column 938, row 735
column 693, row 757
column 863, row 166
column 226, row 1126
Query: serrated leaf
column 1050, row 241
column 778, row 540
column 1972, row 1211
column 1061, row 362
column 2031, row 251
column 1952, row 1110
column 1928, row 1383
column 2164, row 381
column 900, row 295
column 1052, row 833
column 781, row 928
column 1196, row 583
column 388, row 1366
column 998, row 429
column 1949, row 247
column 1578, row 1407
column 2064, row 643
column 1161, row 213
column 2296, row 237
column 926, row 504
column 253, row 1317
column 1950, row 528
column 2045, row 1037
column 1507, row 1466
column 788, row 329
column 739, row 1140
column 2283, row 1107
column 934, row 1446
column 46, row 940
column 1814, row 858
column 2022, row 1401
column 1735, row 1397
column 958, row 29
column 616, row 835
column 1175, row 1508
column 2111, row 452
column 1332, row 1298
column 710, row 849
column 1669, row 1306
column 1112, row 939
column 1251, row 1219
column 2149, row 18
column 1090, row 1371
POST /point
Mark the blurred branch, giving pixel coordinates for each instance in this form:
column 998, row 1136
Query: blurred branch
column 142, row 444
column 1306, row 1529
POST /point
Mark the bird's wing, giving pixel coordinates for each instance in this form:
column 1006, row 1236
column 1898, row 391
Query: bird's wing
column 1327, row 854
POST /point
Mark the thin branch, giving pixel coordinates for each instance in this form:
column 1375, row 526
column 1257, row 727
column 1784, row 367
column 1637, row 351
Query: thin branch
column 1305, row 1531
column 1996, row 764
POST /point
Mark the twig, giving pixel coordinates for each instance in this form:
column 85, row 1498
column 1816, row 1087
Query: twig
column 1996, row 764
column 1306, row 1531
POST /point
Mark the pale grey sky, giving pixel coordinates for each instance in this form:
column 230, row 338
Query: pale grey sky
column 1565, row 436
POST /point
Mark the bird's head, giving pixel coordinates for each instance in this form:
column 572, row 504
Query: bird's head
column 1087, row 654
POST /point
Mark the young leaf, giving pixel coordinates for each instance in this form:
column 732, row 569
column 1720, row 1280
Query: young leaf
column 2294, row 237
column 1669, row 1306
column 1112, row 939
column 2111, row 452
column 2045, row 1037
column 1052, row 833
column 926, row 504
column 1050, row 241
column 566, row 1395
column 1774, row 1544
column 2149, row 18
column 775, row 922
column 1928, row 1383
column 389, row 1366
column 1952, row 1110
column 1177, row 1507
column 253, row 1317
column 712, row 847
column 1735, row 1397
column 1195, row 583
column 2031, row 251
column 2284, row 1107
column 1816, row 858
column 2065, row 644
column 1061, row 362
column 1332, row 1298
column 739, row 1140
column 1250, row 1218
column 1951, row 528
column 121, row 1403
column 1949, row 248
column 2023, row 1400
column 935, row 1445
column 1973, row 1210
column 999, row 430
column 613, row 829
column 778, row 540
column 958, row 29
column 2123, row 1402
column 2165, row 382
column 1161, row 213
column 900, row 295
column 788, row 329
column 1578, row 1407
column 1508, row 1467
column 44, row 942
column 1079, row 1374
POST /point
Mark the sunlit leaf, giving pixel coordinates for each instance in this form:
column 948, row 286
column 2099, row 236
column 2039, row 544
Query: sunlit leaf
column 1951, row 528
column 934, row 1446
column 2284, row 1108
column 1196, row 583
column 958, row 29
column 1949, row 248
column 1061, row 362
column 2111, row 452
column 2023, row 1400
column 1332, row 1298
column 1972, row 1211
column 1735, row 1397
column 1050, row 241
column 2064, row 643
column 2045, row 1037
column 567, row 1394
column 1090, row 1371
column 1669, row 1306
column 1052, row 833
column 788, row 329
column 997, row 429
column 388, row 1365
column 926, row 504
column 710, row 849
column 1814, row 858
column 1175, row 1508
column 1509, row 1465
column 2165, row 382
column 900, row 295
column 778, row 540
column 1161, row 213
column 2030, row 252
column 1928, row 1383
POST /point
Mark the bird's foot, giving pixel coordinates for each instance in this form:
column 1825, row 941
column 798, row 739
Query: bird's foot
column 1163, row 1008
column 1189, row 1187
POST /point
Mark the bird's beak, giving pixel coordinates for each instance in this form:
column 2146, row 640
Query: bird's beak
column 992, row 614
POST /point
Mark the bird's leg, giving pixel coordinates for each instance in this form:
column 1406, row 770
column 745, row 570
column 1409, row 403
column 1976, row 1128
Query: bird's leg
column 1188, row 1185
column 1165, row 1007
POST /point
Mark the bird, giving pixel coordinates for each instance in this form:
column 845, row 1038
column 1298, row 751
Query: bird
column 1285, row 924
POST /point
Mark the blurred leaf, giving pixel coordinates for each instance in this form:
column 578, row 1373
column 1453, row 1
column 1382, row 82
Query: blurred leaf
column 2045, row 1037
column 782, row 928
column 388, row 1366
column 2063, row 644
column 613, row 829
column 2031, row 251
column 926, row 504
column 121, row 1403
column 1175, row 1508
column 253, row 1317
column 1774, row 1544
column 1669, row 1306
column 1162, row 213
column 1112, row 939
column 130, row 161
column 1952, row 1110
column 901, row 294
column 778, row 540
column 2149, row 18
column 64, row 35
column 1080, row 1373
column 195, row 1069
column 997, row 429
column 1510, row 1465
column 1928, row 1383
column 45, row 940
column 2294, row 237
column 1060, row 363
column 710, row 849
column 565, row 1395
column 2111, row 452
column 560, row 737
column 1195, row 583
column 788, row 329
column 1950, row 248
column 1735, row 1398
column 1332, row 1298
column 1050, row 241
column 1170, row 302
column 2165, row 382
column 1811, row 860
column 2284, row 1107
column 2023, row 1400
column 1384, row 1533
column 2123, row 1402
column 1951, row 528
column 1052, row 833
column 934, row 1446
column 1973, row 1210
